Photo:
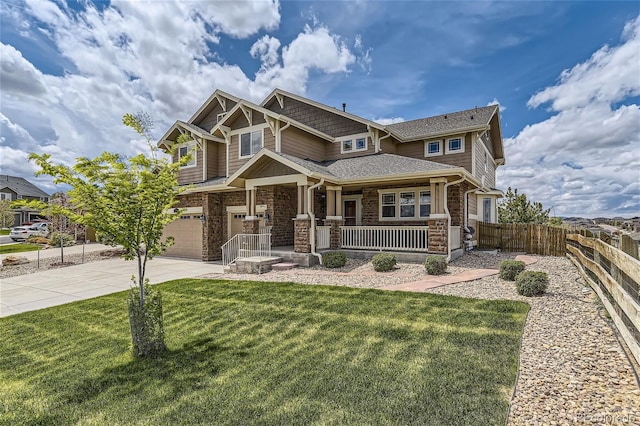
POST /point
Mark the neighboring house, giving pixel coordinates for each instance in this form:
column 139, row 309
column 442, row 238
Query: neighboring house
column 14, row 188
column 316, row 177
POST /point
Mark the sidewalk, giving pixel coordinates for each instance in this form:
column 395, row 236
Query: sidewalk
column 72, row 283
column 55, row 251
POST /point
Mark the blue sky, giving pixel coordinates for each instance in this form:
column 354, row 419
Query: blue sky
column 566, row 74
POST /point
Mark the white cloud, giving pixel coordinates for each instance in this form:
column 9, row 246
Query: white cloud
column 495, row 101
column 388, row 120
column 158, row 57
column 585, row 160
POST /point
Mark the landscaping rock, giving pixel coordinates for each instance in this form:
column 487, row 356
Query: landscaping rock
column 14, row 260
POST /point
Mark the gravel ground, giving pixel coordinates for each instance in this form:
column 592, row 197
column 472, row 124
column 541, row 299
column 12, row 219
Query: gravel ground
column 54, row 262
column 572, row 369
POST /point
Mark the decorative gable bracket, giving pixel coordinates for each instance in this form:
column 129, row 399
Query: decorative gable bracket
column 226, row 132
column 280, row 99
column 247, row 113
column 272, row 123
column 222, row 101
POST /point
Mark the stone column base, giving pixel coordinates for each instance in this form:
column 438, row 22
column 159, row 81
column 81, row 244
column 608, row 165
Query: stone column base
column 335, row 234
column 251, row 226
column 438, row 236
column 301, row 237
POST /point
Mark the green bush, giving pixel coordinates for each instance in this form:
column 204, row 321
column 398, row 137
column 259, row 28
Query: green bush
column 530, row 283
column 56, row 237
column 384, row 262
column 509, row 269
column 334, row 259
column 435, row 265
column 147, row 328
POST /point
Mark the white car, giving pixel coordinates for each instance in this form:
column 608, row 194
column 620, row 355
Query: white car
column 21, row 233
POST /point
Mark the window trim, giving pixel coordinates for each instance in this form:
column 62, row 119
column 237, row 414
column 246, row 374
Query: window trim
column 396, row 193
column 250, row 131
column 354, row 143
column 433, row 154
column 191, row 147
column 220, row 117
column 6, row 196
column 457, row 151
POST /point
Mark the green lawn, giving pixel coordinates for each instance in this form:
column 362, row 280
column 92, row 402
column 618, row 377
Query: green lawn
column 5, row 231
column 263, row 353
column 18, row 247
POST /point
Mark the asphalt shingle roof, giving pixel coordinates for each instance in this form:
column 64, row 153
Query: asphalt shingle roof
column 21, row 186
column 443, row 124
column 370, row 166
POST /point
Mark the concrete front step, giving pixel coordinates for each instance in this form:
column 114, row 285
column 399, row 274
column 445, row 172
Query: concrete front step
column 254, row 265
column 283, row 266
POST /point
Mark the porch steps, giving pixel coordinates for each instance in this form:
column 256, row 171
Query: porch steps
column 283, row 266
column 252, row 265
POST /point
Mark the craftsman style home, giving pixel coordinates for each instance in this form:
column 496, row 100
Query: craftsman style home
column 14, row 188
column 312, row 177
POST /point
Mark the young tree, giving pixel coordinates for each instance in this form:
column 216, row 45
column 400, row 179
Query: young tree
column 128, row 202
column 516, row 208
column 6, row 214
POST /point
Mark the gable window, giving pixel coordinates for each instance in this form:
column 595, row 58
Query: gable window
column 220, row 117
column 5, row 196
column 432, row 148
column 455, row 145
column 186, row 149
column 250, row 143
column 353, row 143
column 405, row 204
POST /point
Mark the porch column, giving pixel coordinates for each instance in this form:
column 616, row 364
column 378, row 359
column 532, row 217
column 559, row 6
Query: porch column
column 212, row 231
column 335, row 233
column 331, row 202
column 339, row 202
column 438, row 234
column 301, row 239
column 302, row 199
column 251, row 223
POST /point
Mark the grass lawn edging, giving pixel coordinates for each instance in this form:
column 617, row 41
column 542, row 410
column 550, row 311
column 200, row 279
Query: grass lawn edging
column 269, row 353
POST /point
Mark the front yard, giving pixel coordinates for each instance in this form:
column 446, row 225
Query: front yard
column 266, row 353
column 18, row 248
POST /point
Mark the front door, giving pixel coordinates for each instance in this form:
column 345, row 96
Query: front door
column 350, row 210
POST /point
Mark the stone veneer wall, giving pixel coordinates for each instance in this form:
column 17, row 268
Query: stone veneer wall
column 213, row 232
column 301, row 241
column 438, row 236
column 283, row 208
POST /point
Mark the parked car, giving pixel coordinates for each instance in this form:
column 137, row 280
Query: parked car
column 44, row 226
column 21, row 233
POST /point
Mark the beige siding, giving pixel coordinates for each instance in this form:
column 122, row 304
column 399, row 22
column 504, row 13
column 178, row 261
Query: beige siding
column 211, row 119
column 222, row 159
column 472, row 205
column 317, row 118
column 389, row 145
column 416, row 150
column 212, row 159
column 302, row 145
column 190, row 174
column 490, row 174
column 241, row 122
column 235, row 162
column 333, row 150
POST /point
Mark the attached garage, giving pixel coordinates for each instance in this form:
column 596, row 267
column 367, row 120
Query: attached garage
column 187, row 234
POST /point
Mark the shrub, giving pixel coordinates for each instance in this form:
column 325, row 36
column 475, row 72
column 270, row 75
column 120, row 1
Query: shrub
column 530, row 283
column 334, row 259
column 509, row 269
column 384, row 262
column 435, row 265
column 56, row 237
column 147, row 328
column 38, row 240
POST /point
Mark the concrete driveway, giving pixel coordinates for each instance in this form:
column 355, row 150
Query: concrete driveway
column 63, row 285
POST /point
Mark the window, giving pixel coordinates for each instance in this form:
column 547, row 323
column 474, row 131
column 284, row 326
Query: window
column 250, row 143
column 405, row 204
column 189, row 148
column 486, row 162
column 455, row 145
column 389, row 205
column 432, row 148
column 19, row 197
column 220, row 117
column 5, row 196
column 353, row 143
column 425, row 203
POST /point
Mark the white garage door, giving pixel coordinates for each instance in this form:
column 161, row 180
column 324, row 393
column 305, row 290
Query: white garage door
column 187, row 234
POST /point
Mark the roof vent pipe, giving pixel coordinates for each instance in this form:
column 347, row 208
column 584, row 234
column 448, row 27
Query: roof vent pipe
column 344, row 107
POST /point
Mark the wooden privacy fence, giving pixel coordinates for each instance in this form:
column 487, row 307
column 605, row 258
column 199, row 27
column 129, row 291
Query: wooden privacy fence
column 526, row 237
column 615, row 277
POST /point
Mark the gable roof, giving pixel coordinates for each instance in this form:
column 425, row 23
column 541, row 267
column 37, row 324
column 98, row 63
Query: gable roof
column 21, row 186
column 214, row 97
column 445, row 124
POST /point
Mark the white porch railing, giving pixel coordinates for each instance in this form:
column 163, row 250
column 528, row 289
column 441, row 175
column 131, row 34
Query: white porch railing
column 246, row 245
column 455, row 237
column 398, row 238
column 265, row 229
column 323, row 235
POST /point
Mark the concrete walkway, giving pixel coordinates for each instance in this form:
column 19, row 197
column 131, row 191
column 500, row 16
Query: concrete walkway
column 55, row 251
column 72, row 283
column 440, row 280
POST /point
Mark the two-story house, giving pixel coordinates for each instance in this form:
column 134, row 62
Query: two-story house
column 14, row 188
column 315, row 177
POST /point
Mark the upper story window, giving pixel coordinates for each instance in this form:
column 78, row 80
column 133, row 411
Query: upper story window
column 353, row 143
column 186, row 149
column 405, row 204
column 455, row 145
column 432, row 148
column 45, row 199
column 5, row 196
column 250, row 143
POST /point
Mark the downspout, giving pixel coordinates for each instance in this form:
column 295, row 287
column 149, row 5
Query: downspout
column 380, row 139
column 446, row 211
column 280, row 130
column 466, row 211
column 312, row 216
